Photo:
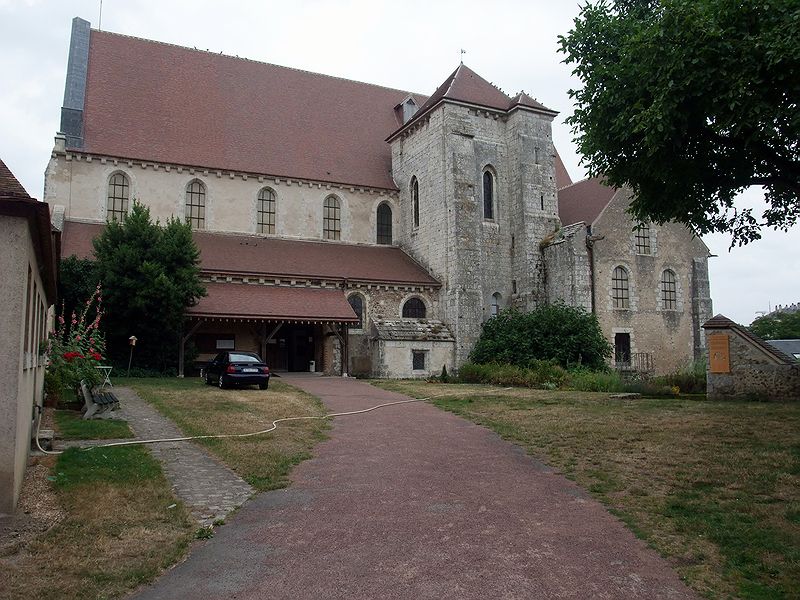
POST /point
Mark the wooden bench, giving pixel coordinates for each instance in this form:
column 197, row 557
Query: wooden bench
column 97, row 401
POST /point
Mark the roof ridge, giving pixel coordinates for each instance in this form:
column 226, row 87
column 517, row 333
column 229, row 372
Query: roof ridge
column 453, row 79
column 258, row 62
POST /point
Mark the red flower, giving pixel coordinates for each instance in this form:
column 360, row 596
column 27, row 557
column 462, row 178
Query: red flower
column 70, row 356
column 96, row 356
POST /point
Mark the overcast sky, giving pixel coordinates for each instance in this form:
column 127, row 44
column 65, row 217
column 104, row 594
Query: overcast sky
column 408, row 45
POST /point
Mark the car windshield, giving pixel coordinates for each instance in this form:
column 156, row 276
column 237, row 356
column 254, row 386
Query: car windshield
column 243, row 358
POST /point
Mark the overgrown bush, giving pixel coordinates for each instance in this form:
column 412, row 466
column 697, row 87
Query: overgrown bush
column 568, row 335
column 585, row 380
column 545, row 374
column 689, row 380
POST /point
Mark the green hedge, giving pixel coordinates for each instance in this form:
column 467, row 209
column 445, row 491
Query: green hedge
column 539, row 374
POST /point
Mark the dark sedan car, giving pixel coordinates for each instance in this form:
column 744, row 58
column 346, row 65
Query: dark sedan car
column 237, row 368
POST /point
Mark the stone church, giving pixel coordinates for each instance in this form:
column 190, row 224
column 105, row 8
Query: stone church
column 352, row 228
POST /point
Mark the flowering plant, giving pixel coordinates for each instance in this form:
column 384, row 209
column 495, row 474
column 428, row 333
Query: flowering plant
column 76, row 346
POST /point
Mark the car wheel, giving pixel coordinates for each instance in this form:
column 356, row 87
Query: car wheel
column 263, row 386
column 221, row 382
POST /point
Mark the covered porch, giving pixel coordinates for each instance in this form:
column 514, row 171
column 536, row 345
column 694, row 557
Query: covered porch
column 291, row 328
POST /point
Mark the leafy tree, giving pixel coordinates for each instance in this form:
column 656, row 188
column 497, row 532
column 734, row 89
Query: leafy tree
column 777, row 326
column 566, row 334
column 150, row 277
column 689, row 102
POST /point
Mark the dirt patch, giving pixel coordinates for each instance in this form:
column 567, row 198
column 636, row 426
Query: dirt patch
column 37, row 511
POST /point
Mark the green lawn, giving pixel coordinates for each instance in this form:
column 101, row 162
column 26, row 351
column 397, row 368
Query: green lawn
column 263, row 461
column 123, row 526
column 713, row 486
column 73, row 427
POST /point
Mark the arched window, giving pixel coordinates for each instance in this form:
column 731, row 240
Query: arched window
column 488, row 195
column 196, row 204
column 118, row 195
column 266, row 211
column 384, row 234
column 357, row 303
column 620, row 292
column 332, row 219
column 643, row 238
column 415, row 200
column 495, row 304
column 669, row 292
column 414, row 308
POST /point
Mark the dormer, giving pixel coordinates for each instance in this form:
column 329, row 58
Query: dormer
column 406, row 109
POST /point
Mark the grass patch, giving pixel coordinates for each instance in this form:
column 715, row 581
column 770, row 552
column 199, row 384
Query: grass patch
column 118, row 533
column 263, row 461
column 713, row 486
column 73, row 427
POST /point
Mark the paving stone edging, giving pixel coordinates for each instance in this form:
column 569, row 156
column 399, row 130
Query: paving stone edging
column 209, row 489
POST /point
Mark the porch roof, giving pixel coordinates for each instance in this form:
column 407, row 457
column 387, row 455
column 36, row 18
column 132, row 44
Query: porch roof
column 272, row 303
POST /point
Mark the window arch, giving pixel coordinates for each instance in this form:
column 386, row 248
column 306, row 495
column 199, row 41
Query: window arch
column 669, row 290
column 384, row 232
column 495, row 305
column 643, row 239
column 332, row 219
column 414, row 308
column 415, row 200
column 266, row 211
column 488, row 195
column 357, row 304
column 196, row 204
column 620, row 289
column 118, row 196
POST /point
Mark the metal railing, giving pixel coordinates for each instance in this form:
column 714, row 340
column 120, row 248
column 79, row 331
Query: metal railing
column 638, row 362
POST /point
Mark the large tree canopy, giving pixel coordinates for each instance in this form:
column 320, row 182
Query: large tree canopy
column 150, row 275
column 689, row 102
column 782, row 325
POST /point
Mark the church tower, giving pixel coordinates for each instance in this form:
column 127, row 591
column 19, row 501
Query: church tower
column 477, row 173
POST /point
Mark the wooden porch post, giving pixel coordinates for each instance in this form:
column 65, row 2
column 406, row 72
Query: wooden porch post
column 182, row 345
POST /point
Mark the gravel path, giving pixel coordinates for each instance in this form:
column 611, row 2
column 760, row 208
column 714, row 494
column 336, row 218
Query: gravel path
column 413, row 502
column 209, row 489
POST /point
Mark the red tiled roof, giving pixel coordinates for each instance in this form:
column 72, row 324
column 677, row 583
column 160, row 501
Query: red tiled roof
column 523, row 99
column 465, row 85
column 154, row 101
column 10, row 185
column 250, row 301
column 562, row 175
column 583, row 201
column 281, row 258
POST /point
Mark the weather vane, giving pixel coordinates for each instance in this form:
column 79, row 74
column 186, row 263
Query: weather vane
column 463, row 52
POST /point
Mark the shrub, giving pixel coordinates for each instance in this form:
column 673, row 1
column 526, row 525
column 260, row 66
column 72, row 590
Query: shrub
column 537, row 374
column 689, row 380
column 585, row 380
column 565, row 334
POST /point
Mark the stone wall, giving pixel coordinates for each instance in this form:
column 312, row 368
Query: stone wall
column 568, row 269
column 672, row 337
column 79, row 183
column 393, row 358
column 753, row 372
column 476, row 258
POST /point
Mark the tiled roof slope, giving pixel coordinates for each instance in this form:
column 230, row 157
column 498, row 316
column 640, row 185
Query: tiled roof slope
column 583, row 201
column 241, row 300
column 154, row 101
column 412, row 329
column 10, row 185
column 789, row 347
column 723, row 322
column 252, row 255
